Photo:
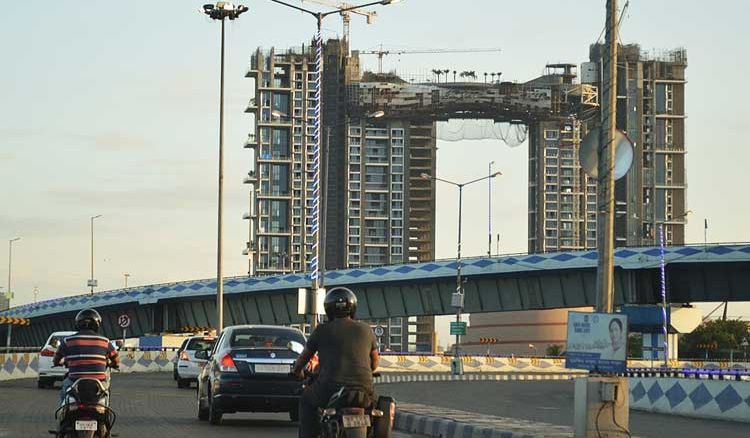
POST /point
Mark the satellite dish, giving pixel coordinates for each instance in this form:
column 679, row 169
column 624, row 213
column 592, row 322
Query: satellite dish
column 589, row 154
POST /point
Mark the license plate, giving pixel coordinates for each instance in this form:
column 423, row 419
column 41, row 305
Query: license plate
column 272, row 369
column 86, row 425
column 355, row 421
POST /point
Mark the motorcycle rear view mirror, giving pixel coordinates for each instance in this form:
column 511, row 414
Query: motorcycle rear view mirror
column 295, row 347
column 55, row 343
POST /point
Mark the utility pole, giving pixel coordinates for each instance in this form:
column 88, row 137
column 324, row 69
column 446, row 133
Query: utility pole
column 606, row 182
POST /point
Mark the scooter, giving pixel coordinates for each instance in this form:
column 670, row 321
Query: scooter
column 85, row 412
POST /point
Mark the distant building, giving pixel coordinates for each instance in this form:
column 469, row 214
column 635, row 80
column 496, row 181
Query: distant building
column 651, row 110
column 520, row 333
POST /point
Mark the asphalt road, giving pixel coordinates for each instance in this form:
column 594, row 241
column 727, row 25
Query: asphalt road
column 147, row 405
column 549, row 402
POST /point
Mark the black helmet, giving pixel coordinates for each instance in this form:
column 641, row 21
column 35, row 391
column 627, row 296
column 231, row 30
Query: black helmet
column 340, row 302
column 88, row 319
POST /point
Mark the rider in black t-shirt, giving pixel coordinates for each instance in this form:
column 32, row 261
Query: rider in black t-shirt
column 348, row 355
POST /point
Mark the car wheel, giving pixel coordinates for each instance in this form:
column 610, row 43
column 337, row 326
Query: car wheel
column 41, row 384
column 174, row 374
column 383, row 426
column 294, row 415
column 202, row 412
column 183, row 383
column 214, row 415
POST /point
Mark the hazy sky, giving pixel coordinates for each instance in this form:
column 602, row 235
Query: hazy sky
column 112, row 110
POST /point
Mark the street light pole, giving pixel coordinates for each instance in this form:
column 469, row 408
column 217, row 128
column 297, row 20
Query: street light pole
column 221, row 11
column 9, row 291
column 458, row 296
column 489, row 203
column 126, row 279
column 663, row 275
column 315, row 262
column 92, row 282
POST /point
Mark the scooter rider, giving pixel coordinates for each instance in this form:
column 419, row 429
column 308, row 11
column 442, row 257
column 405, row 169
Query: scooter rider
column 86, row 353
column 348, row 355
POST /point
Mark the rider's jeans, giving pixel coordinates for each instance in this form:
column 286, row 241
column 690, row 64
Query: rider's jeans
column 66, row 384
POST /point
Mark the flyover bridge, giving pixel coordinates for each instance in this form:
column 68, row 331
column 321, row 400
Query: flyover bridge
column 715, row 272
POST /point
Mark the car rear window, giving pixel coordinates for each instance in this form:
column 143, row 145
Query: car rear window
column 52, row 340
column 264, row 338
column 200, row 344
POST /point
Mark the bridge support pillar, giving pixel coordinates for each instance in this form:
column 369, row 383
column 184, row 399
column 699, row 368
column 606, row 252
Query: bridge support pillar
column 601, row 407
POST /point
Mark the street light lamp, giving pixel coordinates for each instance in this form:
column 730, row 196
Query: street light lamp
column 315, row 264
column 663, row 273
column 92, row 283
column 457, row 300
column 221, row 11
column 9, row 291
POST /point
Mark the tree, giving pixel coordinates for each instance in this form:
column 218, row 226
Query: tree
column 437, row 73
column 718, row 338
column 554, row 350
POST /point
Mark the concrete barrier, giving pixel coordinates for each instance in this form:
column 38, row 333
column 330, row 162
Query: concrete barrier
column 715, row 399
column 26, row 365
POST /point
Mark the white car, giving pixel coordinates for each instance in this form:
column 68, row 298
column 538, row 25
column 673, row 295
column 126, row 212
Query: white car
column 188, row 367
column 48, row 375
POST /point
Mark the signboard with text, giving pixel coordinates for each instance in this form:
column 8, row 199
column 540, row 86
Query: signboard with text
column 458, row 328
column 597, row 342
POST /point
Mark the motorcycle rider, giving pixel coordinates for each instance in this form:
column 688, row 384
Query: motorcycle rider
column 86, row 353
column 348, row 355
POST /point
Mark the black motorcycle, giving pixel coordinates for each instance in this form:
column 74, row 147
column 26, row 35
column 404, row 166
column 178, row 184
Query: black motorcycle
column 352, row 413
column 85, row 412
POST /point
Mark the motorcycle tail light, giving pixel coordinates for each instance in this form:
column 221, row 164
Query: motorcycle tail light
column 227, row 364
column 329, row 412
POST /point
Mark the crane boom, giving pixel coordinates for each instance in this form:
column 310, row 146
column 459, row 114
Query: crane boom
column 345, row 16
column 382, row 53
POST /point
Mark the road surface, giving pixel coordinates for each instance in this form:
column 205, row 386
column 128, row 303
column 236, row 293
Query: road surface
column 549, row 402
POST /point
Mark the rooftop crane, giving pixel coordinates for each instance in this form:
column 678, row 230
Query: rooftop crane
column 345, row 16
column 382, row 53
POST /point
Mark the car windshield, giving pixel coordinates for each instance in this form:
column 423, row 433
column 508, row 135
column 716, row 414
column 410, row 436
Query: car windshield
column 264, row 338
column 200, row 344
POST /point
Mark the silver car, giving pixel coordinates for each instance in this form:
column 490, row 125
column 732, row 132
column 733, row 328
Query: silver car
column 188, row 366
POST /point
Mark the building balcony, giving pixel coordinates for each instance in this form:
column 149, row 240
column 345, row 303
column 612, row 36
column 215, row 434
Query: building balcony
column 251, row 141
column 252, row 106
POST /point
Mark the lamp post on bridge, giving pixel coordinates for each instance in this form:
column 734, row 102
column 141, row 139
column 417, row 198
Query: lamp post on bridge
column 324, row 181
column 315, row 264
column 457, row 300
column 9, row 291
column 663, row 275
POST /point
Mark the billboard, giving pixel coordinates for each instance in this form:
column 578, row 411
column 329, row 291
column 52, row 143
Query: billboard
column 597, row 342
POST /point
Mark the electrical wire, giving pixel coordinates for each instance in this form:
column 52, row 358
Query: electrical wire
column 596, row 423
column 614, row 420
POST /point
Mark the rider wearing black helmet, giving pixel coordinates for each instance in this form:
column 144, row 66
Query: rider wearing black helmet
column 348, row 355
column 86, row 353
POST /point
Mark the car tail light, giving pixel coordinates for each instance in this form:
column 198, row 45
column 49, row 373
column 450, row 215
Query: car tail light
column 47, row 353
column 184, row 356
column 227, row 364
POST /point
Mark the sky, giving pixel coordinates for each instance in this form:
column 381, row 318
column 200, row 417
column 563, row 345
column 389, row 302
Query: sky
column 113, row 110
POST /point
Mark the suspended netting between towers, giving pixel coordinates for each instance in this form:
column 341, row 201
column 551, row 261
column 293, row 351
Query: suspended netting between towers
column 512, row 134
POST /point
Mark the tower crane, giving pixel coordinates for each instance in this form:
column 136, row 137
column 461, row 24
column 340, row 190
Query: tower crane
column 345, row 16
column 382, row 53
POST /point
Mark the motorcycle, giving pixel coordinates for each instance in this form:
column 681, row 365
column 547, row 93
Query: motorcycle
column 351, row 413
column 85, row 412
